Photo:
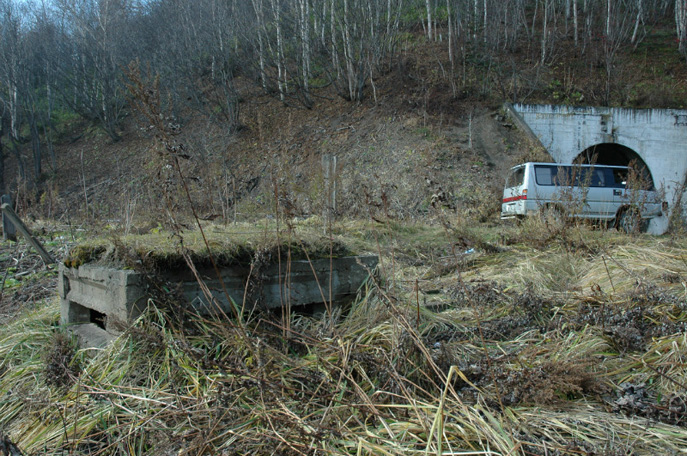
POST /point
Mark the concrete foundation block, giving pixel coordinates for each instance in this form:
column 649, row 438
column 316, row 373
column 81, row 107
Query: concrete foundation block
column 99, row 294
column 104, row 295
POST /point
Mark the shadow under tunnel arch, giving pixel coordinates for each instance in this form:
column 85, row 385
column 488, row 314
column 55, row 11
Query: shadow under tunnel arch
column 617, row 155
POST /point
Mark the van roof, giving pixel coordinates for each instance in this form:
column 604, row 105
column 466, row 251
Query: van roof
column 571, row 164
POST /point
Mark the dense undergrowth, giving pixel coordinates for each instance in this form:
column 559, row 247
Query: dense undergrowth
column 471, row 339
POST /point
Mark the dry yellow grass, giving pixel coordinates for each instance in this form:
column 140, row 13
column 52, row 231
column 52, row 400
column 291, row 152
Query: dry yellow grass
column 571, row 344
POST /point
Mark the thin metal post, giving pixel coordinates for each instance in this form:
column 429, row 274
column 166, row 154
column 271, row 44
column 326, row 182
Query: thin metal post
column 329, row 163
column 9, row 231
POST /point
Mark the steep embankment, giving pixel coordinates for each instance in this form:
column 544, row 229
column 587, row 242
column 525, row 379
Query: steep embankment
column 409, row 146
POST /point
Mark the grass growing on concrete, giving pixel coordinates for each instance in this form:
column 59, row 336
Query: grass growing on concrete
column 230, row 244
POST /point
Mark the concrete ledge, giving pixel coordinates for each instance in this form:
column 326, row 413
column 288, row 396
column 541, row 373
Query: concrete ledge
column 521, row 124
column 103, row 295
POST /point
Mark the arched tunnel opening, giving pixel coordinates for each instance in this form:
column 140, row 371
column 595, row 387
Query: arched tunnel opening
column 617, row 155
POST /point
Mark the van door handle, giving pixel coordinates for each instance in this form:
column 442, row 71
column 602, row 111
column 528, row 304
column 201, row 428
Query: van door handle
column 617, row 193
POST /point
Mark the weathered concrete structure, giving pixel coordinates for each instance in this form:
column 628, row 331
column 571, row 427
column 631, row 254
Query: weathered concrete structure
column 104, row 296
column 655, row 138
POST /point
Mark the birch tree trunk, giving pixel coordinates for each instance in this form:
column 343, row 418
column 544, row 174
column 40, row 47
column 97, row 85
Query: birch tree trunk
column 429, row 19
column 323, row 22
column 450, row 35
column 544, row 31
column 575, row 24
column 260, row 19
column 348, row 54
column 335, row 52
column 475, row 19
column 681, row 25
column 281, row 69
column 304, row 25
column 485, row 21
column 14, row 110
column 451, row 45
column 640, row 12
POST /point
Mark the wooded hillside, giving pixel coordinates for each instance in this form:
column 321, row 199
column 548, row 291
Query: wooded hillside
column 64, row 63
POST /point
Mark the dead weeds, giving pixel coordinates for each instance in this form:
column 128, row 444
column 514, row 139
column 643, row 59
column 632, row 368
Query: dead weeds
column 507, row 365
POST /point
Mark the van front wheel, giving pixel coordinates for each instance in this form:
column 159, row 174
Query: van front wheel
column 630, row 221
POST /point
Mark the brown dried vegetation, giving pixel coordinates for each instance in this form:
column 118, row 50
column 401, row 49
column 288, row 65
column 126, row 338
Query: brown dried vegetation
column 495, row 360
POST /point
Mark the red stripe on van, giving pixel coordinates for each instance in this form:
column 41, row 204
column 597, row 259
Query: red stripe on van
column 515, row 198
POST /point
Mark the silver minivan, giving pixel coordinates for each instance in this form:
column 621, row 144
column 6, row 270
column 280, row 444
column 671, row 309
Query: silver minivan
column 598, row 192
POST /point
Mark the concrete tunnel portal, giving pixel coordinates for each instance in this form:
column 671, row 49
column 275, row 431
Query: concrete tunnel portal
column 654, row 140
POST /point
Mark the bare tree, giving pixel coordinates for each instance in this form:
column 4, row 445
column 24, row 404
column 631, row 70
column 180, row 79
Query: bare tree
column 12, row 77
column 681, row 25
column 304, row 26
column 428, row 6
column 260, row 31
column 94, row 47
column 576, row 25
column 618, row 22
column 9, row 63
column 67, row 54
column 3, row 188
column 281, row 66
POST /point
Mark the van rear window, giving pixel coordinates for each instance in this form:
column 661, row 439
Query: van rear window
column 516, row 177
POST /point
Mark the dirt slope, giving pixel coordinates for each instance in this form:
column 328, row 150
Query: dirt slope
column 409, row 147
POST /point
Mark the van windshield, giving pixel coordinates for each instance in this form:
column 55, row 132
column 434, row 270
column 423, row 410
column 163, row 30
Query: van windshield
column 516, row 177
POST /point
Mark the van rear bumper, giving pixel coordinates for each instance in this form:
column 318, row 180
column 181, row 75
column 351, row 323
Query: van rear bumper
column 520, row 208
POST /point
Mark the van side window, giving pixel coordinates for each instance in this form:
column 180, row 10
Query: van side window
column 599, row 178
column 596, row 177
column 545, row 174
column 516, row 178
column 573, row 176
column 619, row 178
